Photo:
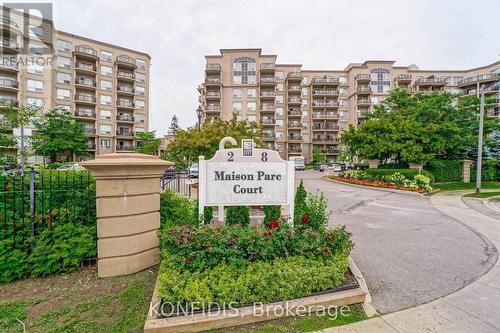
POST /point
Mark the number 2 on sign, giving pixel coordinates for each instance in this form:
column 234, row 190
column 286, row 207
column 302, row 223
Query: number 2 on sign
column 230, row 156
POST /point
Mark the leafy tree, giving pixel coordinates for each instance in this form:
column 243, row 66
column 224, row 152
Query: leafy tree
column 59, row 136
column 317, row 155
column 174, row 125
column 189, row 144
column 299, row 202
column 147, row 143
column 418, row 128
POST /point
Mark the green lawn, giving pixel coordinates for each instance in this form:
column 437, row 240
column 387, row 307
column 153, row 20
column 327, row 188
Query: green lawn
column 483, row 195
column 466, row 186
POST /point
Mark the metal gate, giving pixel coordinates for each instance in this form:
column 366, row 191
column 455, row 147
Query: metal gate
column 178, row 181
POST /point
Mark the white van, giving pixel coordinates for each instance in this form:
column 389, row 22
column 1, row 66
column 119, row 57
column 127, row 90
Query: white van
column 299, row 161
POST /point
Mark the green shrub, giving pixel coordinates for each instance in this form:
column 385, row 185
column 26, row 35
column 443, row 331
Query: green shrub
column 13, row 263
column 489, row 172
column 445, row 170
column 299, row 202
column 279, row 280
column 62, row 248
column 314, row 213
column 378, row 174
column 271, row 213
column 238, row 215
column 177, row 210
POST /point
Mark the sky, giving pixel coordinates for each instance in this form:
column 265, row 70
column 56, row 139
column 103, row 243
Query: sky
column 319, row 34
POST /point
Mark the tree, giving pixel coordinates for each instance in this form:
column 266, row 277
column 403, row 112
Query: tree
column 147, row 143
column 317, row 155
column 59, row 136
column 418, row 128
column 189, row 144
column 174, row 126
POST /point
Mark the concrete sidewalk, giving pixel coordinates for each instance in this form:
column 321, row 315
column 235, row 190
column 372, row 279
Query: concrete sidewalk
column 474, row 308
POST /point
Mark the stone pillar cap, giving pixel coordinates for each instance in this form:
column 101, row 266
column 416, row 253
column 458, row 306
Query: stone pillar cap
column 133, row 159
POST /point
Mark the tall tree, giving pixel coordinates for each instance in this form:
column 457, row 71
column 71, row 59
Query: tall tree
column 317, row 155
column 147, row 143
column 174, row 125
column 59, row 136
column 189, row 144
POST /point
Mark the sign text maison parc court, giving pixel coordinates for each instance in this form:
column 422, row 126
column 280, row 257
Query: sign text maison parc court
column 245, row 176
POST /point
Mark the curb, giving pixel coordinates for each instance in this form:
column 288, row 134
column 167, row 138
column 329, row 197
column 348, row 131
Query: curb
column 369, row 309
column 375, row 188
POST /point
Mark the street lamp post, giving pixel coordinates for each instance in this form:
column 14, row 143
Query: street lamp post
column 480, row 143
column 199, row 114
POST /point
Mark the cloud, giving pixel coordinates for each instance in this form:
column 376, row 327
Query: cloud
column 320, row 34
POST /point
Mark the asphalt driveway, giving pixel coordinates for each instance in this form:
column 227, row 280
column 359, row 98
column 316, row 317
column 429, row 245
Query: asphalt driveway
column 409, row 252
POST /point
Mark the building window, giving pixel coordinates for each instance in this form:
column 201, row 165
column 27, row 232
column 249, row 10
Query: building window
column 141, row 91
column 380, row 81
column 279, row 87
column 106, row 56
column 140, row 77
column 66, row 108
column 105, row 100
column 252, row 118
column 279, row 111
column 251, row 92
column 34, row 85
column 35, row 31
column 34, row 48
column 105, row 114
column 105, row 143
column 237, row 93
column 244, row 70
column 252, row 106
column 106, row 70
column 63, row 62
column 140, row 63
column 342, row 79
column 63, row 46
column 304, row 80
column 106, row 85
column 278, row 75
column 279, row 99
column 279, row 122
column 236, row 106
column 63, row 94
column 105, row 129
column 34, row 68
column 139, row 104
column 140, row 118
column 63, row 78
column 139, row 130
column 38, row 102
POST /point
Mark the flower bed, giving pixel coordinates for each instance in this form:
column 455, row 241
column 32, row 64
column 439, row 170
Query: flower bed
column 375, row 183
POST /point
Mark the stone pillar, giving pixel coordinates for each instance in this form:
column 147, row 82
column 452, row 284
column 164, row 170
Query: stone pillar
column 414, row 165
column 373, row 164
column 466, row 170
column 128, row 211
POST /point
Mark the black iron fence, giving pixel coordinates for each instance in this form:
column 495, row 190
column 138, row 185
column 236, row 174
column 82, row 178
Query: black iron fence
column 178, row 181
column 40, row 200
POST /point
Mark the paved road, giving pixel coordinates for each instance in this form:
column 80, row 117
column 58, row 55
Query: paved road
column 409, row 252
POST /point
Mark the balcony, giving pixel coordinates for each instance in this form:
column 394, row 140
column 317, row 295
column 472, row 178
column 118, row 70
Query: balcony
column 364, row 90
column 479, row 79
column 120, row 148
column 267, row 94
column 212, row 81
column 268, row 122
column 85, row 99
column 127, row 76
column 85, row 83
column 328, row 104
column 91, row 147
column 325, row 81
column 297, row 138
column 325, row 139
column 85, row 51
column 295, row 113
column 363, row 102
column 267, row 81
column 124, row 118
column 294, row 89
column 4, row 100
column 362, row 114
column 212, row 108
column 8, row 66
column 89, row 131
column 403, row 78
column 363, row 77
column 330, row 151
column 9, row 25
column 9, row 84
column 430, row 81
column 294, row 150
column 325, row 115
column 212, row 95
column 269, row 137
column 294, row 101
column 125, row 61
column 267, row 108
column 125, row 90
column 213, row 68
column 125, row 134
column 85, row 114
column 267, row 67
column 325, row 92
column 124, row 104
column 325, row 127
column 85, row 68
column 294, row 76
column 295, row 125
column 8, row 45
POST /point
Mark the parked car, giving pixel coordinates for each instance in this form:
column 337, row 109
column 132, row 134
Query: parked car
column 69, row 167
column 193, row 170
column 320, row 167
column 299, row 162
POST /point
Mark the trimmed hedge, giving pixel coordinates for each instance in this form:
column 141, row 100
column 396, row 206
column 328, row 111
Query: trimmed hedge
column 445, row 170
column 377, row 174
column 490, row 171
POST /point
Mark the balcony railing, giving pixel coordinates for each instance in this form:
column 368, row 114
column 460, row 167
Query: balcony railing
column 85, row 114
column 295, row 75
column 362, row 113
column 124, row 148
column 403, row 77
column 295, row 88
column 9, row 83
column 295, row 125
column 126, row 75
column 325, row 127
column 325, row 92
column 213, row 94
column 6, row 42
column 431, row 80
column 483, row 77
column 267, row 80
column 363, row 101
column 125, row 103
column 90, row 146
column 325, row 80
column 267, row 65
column 212, row 108
column 85, row 82
column 127, row 89
column 125, row 133
column 294, row 150
column 85, row 98
column 326, row 115
column 363, row 77
column 325, row 139
column 295, row 113
column 82, row 65
column 267, row 108
column 86, row 49
column 325, row 104
column 267, row 93
column 212, row 80
column 269, row 136
column 213, row 67
column 87, row 130
column 8, row 100
column 294, row 137
column 125, row 117
column 125, row 59
column 363, row 89
column 294, row 100
column 267, row 121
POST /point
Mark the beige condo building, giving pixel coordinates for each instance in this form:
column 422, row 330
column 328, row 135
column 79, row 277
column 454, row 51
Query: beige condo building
column 105, row 86
column 300, row 109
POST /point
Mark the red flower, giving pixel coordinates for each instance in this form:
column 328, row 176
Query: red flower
column 325, row 251
column 273, row 224
column 189, row 259
column 305, row 218
column 268, row 234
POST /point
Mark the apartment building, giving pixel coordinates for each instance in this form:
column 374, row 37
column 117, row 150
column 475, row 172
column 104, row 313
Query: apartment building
column 301, row 109
column 105, row 86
